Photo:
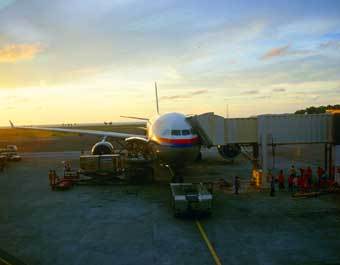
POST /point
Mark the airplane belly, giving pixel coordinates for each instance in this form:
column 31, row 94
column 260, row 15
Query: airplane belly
column 177, row 155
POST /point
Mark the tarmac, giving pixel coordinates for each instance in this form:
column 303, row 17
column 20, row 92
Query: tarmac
column 122, row 224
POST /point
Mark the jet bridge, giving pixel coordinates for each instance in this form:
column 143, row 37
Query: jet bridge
column 269, row 130
column 280, row 129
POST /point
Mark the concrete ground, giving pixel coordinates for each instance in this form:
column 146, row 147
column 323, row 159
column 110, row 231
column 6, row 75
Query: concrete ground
column 135, row 225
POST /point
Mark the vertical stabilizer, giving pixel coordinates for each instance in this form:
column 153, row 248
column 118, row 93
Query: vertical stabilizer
column 156, row 91
column 11, row 123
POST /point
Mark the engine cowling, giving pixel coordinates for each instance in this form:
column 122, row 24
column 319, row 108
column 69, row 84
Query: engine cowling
column 137, row 146
column 229, row 151
column 102, row 148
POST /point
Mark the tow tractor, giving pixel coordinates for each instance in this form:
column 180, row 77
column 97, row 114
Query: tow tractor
column 60, row 183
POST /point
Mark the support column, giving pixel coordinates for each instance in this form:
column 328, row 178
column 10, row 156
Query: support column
column 336, row 140
column 256, row 155
column 337, row 163
column 264, row 156
column 325, row 157
column 330, row 161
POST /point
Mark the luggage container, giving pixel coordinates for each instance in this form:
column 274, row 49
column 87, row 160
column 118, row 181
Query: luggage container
column 190, row 198
column 100, row 164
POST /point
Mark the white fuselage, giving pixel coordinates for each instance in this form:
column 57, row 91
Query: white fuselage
column 172, row 138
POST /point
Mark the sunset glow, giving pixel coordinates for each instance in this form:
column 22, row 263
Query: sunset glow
column 92, row 61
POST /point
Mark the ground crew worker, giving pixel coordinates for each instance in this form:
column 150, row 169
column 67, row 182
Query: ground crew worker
column 305, row 181
column 295, row 183
column 67, row 166
column 324, row 179
column 272, row 187
column 292, row 171
column 50, row 176
column 320, row 173
column 290, row 183
column 269, row 176
column 302, row 171
column 301, row 183
column 281, row 179
column 337, row 175
column 309, row 175
column 53, row 178
column 237, row 184
column 332, row 176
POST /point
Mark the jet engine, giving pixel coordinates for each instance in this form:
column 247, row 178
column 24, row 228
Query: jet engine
column 138, row 147
column 229, row 151
column 102, row 148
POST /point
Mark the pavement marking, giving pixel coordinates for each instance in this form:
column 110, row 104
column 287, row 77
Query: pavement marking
column 5, row 261
column 206, row 240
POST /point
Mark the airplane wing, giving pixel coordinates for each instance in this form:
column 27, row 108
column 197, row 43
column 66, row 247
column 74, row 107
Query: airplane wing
column 102, row 125
column 135, row 118
column 80, row 131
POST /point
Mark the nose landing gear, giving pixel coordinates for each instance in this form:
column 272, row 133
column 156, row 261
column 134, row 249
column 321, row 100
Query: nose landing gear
column 175, row 178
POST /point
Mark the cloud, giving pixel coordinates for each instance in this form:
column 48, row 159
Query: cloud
column 86, row 70
column 279, row 90
column 251, row 92
column 332, row 44
column 199, row 92
column 183, row 96
column 263, row 97
column 276, row 52
column 173, row 97
column 283, row 51
column 19, row 52
column 5, row 3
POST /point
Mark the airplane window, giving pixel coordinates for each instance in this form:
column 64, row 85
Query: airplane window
column 185, row 132
column 176, row 132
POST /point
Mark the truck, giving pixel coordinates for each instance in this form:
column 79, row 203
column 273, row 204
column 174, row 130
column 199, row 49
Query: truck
column 191, row 198
column 10, row 152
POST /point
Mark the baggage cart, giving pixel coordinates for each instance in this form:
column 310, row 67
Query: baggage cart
column 190, row 198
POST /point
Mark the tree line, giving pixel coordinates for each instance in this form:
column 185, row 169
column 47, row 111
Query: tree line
column 317, row 110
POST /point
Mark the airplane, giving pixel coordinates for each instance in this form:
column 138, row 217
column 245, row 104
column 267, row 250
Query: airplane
column 170, row 138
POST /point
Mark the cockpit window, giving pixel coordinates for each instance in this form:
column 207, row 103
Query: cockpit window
column 185, row 132
column 175, row 132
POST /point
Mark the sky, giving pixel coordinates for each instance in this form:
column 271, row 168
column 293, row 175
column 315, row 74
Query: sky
column 79, row 61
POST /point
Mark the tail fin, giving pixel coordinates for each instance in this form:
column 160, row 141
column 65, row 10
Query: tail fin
column 156, row 91
column 12, row 125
